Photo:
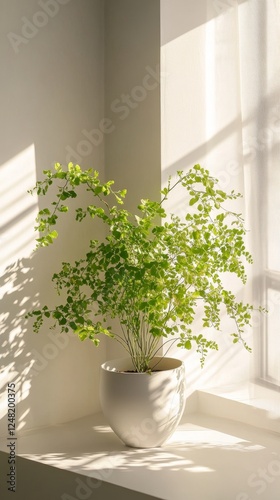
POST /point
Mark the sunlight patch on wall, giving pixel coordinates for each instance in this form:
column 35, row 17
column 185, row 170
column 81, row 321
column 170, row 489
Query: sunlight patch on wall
column 183, row 101
column 17, row 240
column 17, row 209
column 210, row 88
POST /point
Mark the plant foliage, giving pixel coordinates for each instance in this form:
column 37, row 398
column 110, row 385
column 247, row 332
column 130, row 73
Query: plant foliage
column 150, row 276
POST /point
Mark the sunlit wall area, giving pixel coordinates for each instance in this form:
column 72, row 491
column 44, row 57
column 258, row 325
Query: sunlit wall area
column 18, row 209
column 202, row 123
column 52, row 103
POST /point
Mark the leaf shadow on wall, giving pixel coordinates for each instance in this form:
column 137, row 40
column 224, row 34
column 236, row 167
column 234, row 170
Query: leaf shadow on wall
column 15, row 356
column 21, row 354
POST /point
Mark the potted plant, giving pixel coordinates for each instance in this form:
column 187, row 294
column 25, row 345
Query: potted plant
column 150, row 273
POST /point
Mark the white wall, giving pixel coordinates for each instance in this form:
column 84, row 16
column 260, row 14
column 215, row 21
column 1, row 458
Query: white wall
column 132, row 96
column 132, row 102
column 51, row 98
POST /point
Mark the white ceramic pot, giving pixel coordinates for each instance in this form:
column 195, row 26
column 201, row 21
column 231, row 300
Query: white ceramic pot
column 143, row 410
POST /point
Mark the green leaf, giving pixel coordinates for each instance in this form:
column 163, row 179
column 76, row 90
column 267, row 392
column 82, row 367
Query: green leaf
column 188, row 345
column 63, row 208
column 60, row 175
column 45, row 211
column 53, row 235
column 193, row 201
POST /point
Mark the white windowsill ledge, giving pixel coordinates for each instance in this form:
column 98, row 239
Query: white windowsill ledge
column 213, row 455
column 250, row 403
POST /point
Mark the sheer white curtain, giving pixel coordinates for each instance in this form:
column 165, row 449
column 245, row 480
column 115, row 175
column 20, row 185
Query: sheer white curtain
column 259, row 28
column 221, row 107
column 243, row 65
